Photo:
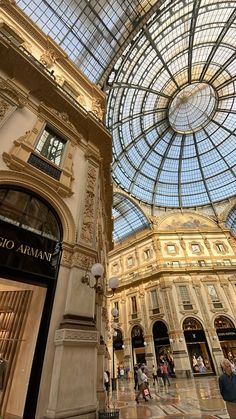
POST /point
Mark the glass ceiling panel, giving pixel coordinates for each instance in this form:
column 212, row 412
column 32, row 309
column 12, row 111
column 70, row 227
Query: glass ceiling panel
column 169, row 69
column 90, row 31
column 186, row 77
column 128, row 219
column 231, row 220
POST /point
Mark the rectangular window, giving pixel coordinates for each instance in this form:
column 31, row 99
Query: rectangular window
column 175, row 263
column 134, row 305
column 154, row 299
column 130, row 261
column 154, row 302
column 214, row 297
column 147, row 254
column 201, row 262
column 184, row 294
column 51, row 146
column 227, row 262
column 220, row 247
column 171, row 248
column 115, row 267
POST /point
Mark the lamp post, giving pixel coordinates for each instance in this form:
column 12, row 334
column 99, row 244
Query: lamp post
column 113, row 380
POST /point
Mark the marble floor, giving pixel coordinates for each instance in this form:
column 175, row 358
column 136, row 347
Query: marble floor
column 192, row 398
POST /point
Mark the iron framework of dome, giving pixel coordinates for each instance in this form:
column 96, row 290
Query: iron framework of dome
column 171, row 106
column 128, row 218
column 171, row 89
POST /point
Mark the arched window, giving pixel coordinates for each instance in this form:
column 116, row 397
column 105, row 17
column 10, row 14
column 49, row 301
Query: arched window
column 29, row 212
column 222, row 322
column 191, row 324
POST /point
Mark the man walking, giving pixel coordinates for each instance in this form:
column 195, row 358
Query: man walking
column 227, row 385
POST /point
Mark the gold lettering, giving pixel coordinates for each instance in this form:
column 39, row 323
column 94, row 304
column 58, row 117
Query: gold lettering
column 48, row 256
column 40, row 254
column 20, row 248
column 26, row 250
column 9, row 244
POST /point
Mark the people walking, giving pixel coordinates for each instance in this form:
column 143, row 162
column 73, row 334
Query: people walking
column 141, row 384
column 227, row 385
column 160, row 381
column 136, row 377
column 154, row 375
column 146, row 389
column 165, row 373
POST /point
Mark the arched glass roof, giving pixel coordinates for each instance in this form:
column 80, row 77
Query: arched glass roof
column 171, row 106
column 128, row 218
column 171, row 89
column 90, row 31
column 231, row 220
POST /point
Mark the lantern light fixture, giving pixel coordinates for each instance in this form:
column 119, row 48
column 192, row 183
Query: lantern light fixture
column 97, row 271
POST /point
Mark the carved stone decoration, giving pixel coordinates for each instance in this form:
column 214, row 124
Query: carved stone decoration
column 75, row 336
column 104, row 314
column 64, row 116
column 97, row 109
column 81, row 100
column 4, row 107
column 60, row 80
column 48, row 58
column 11, row 95
column 87, row 231
column 66, row 258
column 28, row 46
column 83, row 261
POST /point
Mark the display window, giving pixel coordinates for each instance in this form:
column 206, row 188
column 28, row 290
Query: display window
column 21, row 307
column 226, row 333
column 198, row 350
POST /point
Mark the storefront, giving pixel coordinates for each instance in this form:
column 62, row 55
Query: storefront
column 29, row 260
column 138, row 346
column 198, row 350
column 226, row 333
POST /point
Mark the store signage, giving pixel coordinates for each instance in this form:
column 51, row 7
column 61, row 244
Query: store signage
column 226, row 334
column 26, row 251
column 118, row 345
column 137, row 342
column 194, row 336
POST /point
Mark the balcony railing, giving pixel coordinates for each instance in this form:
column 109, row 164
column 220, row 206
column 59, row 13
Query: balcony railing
column 183, row 266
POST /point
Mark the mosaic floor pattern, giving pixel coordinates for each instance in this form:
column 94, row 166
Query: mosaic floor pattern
column 196, row 398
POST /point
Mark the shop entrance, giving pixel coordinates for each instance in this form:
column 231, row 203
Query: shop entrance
column 21, row 307
column 226, row 333
column 198, row 350
column 138, row 347
column 30, row 252
column 162, row 345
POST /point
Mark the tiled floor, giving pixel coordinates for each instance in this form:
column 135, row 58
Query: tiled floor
column 185, row 399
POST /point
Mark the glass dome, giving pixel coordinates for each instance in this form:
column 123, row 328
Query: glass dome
column 171, row 106
column 169, row 67
column 128, row 218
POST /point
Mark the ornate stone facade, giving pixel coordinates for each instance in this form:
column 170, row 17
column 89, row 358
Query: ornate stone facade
column 188, row 280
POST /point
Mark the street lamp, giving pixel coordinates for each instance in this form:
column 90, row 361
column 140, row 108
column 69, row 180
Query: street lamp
column 97, row 272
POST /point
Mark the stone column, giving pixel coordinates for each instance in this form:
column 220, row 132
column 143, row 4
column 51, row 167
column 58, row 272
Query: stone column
column 149, row 354
column 180, row 353
column 66, row 399
column 128, row 355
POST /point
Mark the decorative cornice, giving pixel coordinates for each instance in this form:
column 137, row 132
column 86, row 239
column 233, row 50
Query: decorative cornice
column 76, row 337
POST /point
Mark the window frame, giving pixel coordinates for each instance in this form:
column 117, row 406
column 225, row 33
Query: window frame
column 47, row 128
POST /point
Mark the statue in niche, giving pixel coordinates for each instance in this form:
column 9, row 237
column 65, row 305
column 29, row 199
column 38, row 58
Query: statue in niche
column 97, row 109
